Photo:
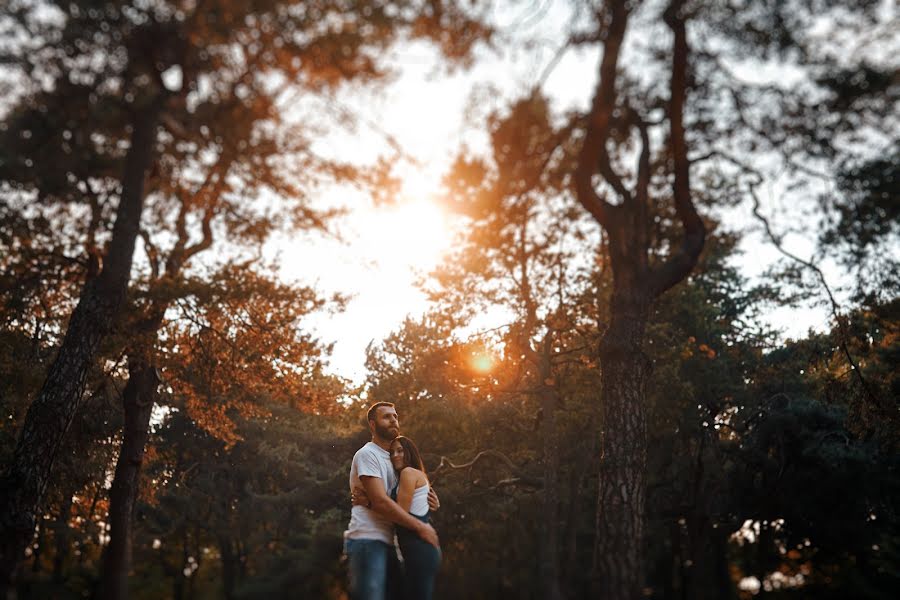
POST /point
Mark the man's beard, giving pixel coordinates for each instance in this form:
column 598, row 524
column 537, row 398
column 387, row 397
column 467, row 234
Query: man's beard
column 386, row 433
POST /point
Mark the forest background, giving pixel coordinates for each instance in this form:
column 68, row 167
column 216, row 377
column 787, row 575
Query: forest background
column 605, row 403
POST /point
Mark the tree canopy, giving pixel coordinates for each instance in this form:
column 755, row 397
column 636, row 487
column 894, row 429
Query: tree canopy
column 600, row 394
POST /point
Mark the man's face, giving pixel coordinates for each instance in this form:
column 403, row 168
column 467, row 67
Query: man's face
column 387, row 424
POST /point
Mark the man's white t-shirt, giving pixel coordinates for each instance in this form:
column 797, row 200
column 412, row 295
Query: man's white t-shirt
column 366, row 524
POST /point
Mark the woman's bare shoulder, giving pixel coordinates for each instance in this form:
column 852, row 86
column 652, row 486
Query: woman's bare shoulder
column 414, row 476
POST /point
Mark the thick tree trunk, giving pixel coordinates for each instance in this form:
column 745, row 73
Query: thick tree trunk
column 619, row 554
column 49, row 416
column 137, row 401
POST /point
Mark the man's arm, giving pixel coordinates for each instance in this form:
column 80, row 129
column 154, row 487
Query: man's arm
column 387, row 508
column 358, row 497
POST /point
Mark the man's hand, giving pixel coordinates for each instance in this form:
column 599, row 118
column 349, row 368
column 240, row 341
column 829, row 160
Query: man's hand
column 358, row 497
column 427, row 533
column 434, row 502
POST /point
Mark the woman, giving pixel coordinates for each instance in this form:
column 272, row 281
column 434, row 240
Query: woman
column 421, row 560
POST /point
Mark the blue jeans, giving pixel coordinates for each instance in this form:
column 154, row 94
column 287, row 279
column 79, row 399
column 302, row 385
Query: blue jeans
column 374, row 570
column 421, row 562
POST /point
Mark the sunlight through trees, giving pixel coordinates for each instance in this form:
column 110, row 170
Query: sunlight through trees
column 573, row 275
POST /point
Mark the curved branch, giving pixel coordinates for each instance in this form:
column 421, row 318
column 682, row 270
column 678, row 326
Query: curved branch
column 680, row 264
column 519, row 477
column 152, row 253
column 835, row 307
column 207, row 240
column 181, row 253
column 641, row 204
column 593, row 151
column 181, row 231
column 643, row 174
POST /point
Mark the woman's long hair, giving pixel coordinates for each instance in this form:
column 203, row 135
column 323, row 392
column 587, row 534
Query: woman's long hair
column 411, row 453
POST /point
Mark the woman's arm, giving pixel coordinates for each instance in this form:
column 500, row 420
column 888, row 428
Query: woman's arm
column 408, row 479
column 387, row 508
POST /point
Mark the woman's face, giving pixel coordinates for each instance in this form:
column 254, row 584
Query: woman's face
column 398, row 456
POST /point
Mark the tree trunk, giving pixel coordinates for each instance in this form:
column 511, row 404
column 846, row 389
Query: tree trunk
column 229, row 567
column 49, row 416
column 61, row 533
column 137, row 402
column 38, row 547
column 569, row 571
column 549, row 547
column 619, row 553
column 178, row 585
column 707, row 576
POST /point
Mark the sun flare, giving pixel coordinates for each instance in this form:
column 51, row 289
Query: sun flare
column 482, row 362
column 413, row 234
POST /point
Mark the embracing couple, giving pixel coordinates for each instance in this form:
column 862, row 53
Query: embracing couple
column 388, row 486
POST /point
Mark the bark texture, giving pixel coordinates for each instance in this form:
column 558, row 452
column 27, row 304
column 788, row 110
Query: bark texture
column 137, row 400
column 619, row 557
column 619, row 552
column 49, row 416
column 140, row 391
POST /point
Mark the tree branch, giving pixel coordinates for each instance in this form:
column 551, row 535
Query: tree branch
column 642, row 186
column 677, row 267
column 181, row 253
column 152, row 253
column 835, row 307
column 593, row 151
column 207, row 240
column 520, row 477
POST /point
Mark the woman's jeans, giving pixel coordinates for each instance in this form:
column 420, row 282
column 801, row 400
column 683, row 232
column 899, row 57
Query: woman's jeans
column 374, row 570
column 421, row 561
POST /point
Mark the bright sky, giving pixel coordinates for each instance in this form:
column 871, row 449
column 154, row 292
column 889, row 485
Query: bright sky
column 386, row 248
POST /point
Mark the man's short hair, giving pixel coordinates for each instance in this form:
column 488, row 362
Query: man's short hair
column 370, row 415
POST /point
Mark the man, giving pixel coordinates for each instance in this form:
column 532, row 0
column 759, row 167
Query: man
column 369, row 539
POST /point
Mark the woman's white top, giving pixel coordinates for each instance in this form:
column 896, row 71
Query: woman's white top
column 419, row 504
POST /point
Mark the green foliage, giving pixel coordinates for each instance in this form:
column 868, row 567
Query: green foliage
column 865, row 227
column 768, row 462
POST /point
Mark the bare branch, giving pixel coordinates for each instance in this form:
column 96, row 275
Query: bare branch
column 96, row 216
column 180, row 230
column 207, row 240
column 612, row 178
column 593, row 151
column 835, row 307
column 643, row 177
column 181, row 253
column 677, row 267
column 520, row 477
column 641, row 204
column 152, row 254
column 547, row 70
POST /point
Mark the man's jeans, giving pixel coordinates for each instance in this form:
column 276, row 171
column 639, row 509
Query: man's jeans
column 374, row 570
